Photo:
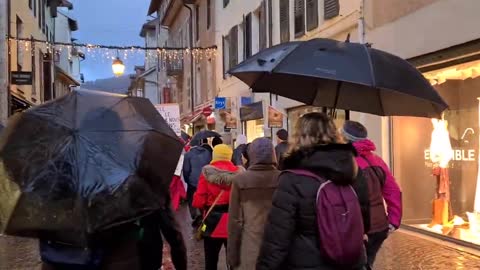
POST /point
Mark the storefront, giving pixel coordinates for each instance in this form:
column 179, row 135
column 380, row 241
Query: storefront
column 437, row 162
column 252, row 118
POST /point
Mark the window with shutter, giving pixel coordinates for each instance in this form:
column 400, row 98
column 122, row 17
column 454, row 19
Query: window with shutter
column 284, row 20
column 312, row 14
column 270, row 23
column 248, row 35
column 197, row 22
column 226, row 55
column 263, row 26
column 331, row 9
column 233, row 57
column 299, row 22
column 209, row 13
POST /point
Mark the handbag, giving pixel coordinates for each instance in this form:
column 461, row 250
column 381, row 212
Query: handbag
column 203, row 227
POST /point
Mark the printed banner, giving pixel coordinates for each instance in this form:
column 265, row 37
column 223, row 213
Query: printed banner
column 275, row 118
column 171, row 114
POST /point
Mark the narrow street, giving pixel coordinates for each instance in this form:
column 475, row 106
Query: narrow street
column 401, row 252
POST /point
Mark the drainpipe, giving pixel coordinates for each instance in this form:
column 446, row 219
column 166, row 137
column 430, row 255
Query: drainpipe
column 192, row 70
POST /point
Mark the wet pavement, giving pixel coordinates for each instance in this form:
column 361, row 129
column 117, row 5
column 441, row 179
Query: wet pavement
column 401, row 252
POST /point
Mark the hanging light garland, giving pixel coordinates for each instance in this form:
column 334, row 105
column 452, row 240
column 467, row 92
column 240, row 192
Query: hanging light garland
column 104, row 53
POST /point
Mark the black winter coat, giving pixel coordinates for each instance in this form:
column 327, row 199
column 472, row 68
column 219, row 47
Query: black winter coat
column 291, row 240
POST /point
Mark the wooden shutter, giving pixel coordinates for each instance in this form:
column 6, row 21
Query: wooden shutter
column 233, row 47
column 299, row 22
column 284, row 20
column 270, row 23
column 331, row 9
column 312, row 14
column 262, row 31
column 248, row 35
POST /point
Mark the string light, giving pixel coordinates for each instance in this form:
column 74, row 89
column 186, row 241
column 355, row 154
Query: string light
column 104, row 52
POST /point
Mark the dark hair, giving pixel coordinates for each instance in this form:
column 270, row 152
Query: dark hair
column 216, row 141
column 204, row 141
column 282, row 134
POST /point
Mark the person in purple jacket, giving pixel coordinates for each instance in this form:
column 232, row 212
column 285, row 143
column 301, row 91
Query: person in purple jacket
column 382, row 187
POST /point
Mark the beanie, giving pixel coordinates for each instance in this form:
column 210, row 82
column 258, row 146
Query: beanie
column 222, row 152
column 354, row 131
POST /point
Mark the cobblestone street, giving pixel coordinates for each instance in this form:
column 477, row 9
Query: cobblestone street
column 402, row 251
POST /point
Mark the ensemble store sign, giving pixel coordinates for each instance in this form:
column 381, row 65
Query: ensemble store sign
column 220, row 103
column 171, row 114
column 22, row 78
column 458, row 154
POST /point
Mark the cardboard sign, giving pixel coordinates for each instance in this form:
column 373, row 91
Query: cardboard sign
column 171, row 114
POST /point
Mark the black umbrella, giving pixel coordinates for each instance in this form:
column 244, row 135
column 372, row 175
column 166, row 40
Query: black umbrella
column 349, row 76
column 84, row 163
column 204, row 134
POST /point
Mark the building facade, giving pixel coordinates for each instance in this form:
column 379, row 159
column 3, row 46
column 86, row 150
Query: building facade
column 50, row 68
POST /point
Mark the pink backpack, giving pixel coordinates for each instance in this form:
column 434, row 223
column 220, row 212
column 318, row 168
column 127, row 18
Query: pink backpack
column 339, row 221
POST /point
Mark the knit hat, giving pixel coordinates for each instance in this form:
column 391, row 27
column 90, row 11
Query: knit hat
column 282, row 134
column 354, row 131
column 222, row 152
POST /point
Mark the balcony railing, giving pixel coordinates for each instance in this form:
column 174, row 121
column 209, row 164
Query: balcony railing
column 174, row 67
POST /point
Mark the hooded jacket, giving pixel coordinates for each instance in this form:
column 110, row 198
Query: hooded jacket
column 291, row 239
column 250, row 203
column 216, row 177
column 194, row 161
column 367, row 160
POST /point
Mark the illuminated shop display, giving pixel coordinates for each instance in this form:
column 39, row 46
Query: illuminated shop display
column 437, row 161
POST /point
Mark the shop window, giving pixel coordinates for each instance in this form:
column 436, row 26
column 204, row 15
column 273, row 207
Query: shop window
column 284, row 21
column 254, row 129
column 436, row 162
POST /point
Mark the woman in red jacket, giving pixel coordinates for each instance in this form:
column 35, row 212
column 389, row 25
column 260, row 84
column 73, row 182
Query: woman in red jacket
column 214, row 188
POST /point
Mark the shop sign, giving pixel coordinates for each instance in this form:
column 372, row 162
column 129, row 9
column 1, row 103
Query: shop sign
column 253, row 111
column 275, row 118
column 220, row 103
column 171, row 114
column 458, row 155
column 22, row 78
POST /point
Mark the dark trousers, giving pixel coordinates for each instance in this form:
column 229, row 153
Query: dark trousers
column 194, row 213
column 212, row 247
column 375, row 241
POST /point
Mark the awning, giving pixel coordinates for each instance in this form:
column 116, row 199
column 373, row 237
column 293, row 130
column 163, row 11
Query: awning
column 65, row 78
column 19, row 103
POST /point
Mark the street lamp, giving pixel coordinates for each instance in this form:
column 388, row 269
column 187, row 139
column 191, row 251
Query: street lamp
column 118, row 67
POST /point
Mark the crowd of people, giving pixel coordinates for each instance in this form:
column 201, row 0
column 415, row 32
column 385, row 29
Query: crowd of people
column 287, row 206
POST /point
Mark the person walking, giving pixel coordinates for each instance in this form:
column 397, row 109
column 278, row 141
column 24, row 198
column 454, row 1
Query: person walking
column 194, row 161
column 240, row 148
column 282, row 146
column 214, row 192
column 381, row 185
column 160, row 223
column 291, row 238
column 250, row 203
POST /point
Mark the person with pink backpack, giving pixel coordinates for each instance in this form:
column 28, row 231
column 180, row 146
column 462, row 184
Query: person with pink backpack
column 316, row 219
column 382, row 187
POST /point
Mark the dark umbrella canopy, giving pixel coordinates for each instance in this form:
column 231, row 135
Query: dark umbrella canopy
column 204, row 134
column 349, row 76
column 82, row 164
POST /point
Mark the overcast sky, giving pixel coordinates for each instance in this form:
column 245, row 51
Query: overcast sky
column 109, row 22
